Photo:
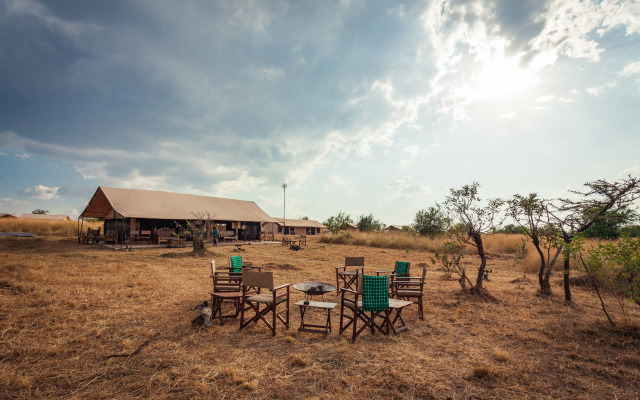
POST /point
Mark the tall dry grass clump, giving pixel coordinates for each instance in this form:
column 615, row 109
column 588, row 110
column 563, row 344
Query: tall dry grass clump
column 500, row 243
column 60, row 228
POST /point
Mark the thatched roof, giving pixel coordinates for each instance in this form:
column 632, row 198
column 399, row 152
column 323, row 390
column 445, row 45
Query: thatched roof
column 112, row 203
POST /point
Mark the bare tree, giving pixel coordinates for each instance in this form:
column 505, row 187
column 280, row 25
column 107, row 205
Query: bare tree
column 198, row 228
column 474, row 221
column 593, row 205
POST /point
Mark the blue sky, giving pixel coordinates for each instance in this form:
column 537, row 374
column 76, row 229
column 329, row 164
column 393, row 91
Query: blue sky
column 359, row 106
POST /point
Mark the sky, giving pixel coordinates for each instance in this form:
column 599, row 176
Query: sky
column 362, row 107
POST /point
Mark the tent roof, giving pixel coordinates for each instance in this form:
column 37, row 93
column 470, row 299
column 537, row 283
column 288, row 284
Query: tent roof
column 7, row 215
column 299, row 223
column 112, row 203
column 47, row 217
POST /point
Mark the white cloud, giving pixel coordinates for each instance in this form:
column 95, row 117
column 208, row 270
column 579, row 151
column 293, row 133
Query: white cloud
column 335, row 182
column 3, row 154
column 41, row 192
column 510, row 115
column 22, row 156
column 408, row 189
column 630, row 69
column 597, row 91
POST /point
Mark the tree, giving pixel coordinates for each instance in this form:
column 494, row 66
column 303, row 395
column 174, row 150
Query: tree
column 304, row 218
column 367, row 223
column 611, row 226
column 337, row 223
column 474, row 221
column 531, row 215
column 432, row 221
column 39, row 211
column 600, row 202
column 198, row 228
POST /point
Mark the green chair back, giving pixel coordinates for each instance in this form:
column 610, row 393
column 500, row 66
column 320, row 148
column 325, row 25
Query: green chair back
column 236, row 264
column 375, row 294
column 402, row 268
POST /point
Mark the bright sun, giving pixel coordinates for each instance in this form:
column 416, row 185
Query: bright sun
column 502, row 76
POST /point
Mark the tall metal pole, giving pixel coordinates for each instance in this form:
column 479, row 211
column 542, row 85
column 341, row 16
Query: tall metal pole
column 284, row 208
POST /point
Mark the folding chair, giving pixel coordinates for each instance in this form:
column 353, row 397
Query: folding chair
column 412, row 287
column 252, row 302
column 401, row 269
column 349, row 278
column 374, row 294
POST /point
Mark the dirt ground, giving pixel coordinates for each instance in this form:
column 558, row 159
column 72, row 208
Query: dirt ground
column 66, row 307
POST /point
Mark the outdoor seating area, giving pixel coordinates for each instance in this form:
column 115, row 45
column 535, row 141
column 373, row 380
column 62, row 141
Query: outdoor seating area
column 366, row 303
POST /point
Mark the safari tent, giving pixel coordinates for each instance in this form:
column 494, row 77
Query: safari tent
column 127, row 210
column 293, row 226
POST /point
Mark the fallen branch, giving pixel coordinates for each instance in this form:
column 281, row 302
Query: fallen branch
column 142, row 346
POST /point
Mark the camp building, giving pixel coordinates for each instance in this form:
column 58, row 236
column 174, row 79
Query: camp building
column 293, row 226
column 127, row 210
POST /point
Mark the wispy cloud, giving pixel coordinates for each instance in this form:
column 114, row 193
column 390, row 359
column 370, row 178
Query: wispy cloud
column 41, row 192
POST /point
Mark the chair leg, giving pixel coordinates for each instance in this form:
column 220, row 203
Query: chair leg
column 420, row 308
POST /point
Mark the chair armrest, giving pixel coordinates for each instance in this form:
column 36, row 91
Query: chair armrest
column 348, row 290
column 380, row 272
column 343, row 268
column 280, row 287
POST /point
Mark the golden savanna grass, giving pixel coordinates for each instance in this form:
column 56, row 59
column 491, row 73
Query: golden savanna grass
column 59, row 228
column 65, row 307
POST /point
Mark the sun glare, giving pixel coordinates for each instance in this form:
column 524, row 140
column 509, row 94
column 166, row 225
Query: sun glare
column 501, row 77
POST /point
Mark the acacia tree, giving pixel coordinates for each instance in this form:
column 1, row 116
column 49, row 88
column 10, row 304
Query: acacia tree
column 601, row 201
column 474, row 221
column 531, row 214
column 337, row 223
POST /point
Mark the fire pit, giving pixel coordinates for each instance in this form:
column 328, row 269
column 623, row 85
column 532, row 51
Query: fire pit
column 314, row 289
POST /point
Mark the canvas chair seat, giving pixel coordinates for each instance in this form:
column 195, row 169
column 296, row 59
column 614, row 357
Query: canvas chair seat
column 251, row 301
column 266, row 298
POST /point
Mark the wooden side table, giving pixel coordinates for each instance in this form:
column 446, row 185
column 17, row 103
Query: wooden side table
column 305, row 327
column 397, row 306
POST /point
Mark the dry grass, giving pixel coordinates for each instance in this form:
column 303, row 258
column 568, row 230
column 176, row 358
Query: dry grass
column 65, row 307
column 46, row 228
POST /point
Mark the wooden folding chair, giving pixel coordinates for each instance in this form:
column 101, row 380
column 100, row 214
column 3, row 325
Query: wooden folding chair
column 401, row 269
column 368, row 303
column 412, row 287
column 349, row 277
column 226, row 287
column 253, row 302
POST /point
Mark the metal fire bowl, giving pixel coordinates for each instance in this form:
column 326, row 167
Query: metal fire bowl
column 313, row 288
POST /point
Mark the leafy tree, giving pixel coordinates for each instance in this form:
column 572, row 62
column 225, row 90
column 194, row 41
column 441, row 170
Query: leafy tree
column 338, row 222
column 304, row 218
column 39, row 211
column 612, row 268
column 432, row 221
column 367, row 223
column 474, row 221
column 611, row 226
column 512, row 229
column 600, row 202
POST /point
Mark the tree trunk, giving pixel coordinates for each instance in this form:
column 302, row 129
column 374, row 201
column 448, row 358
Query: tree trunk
column 567, row 284
column 543, row 265
column 477, row 239
column 546, row 288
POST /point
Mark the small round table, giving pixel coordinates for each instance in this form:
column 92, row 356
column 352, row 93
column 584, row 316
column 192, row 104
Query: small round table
column 314, row 289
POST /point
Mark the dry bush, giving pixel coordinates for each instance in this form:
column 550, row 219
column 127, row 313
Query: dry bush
column 59, row 228
column 65, row 307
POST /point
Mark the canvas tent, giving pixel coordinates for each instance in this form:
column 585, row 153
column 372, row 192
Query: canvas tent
column 293, row 226
column 136, row 209
column 45, row 217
